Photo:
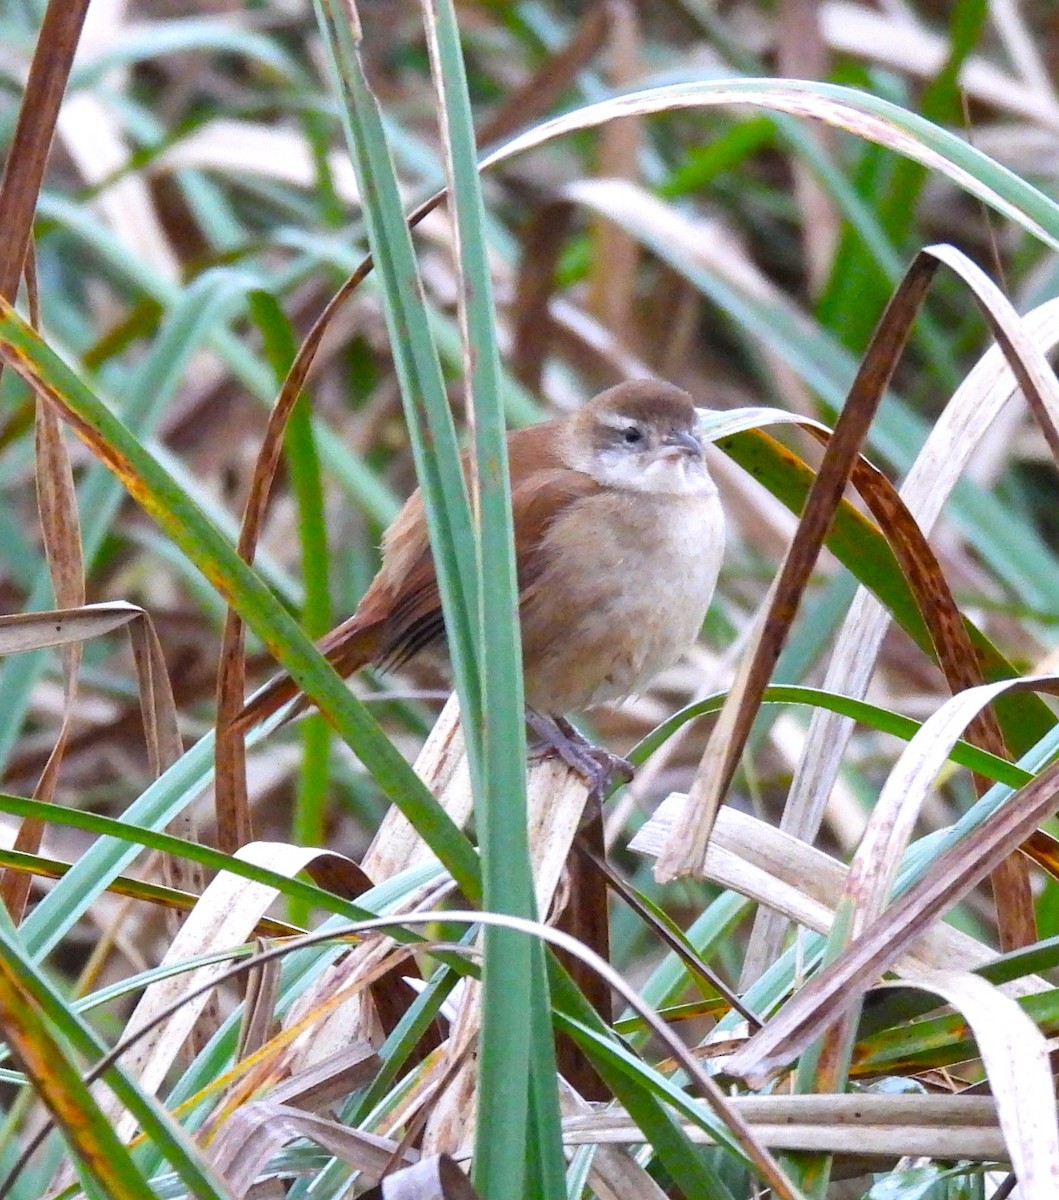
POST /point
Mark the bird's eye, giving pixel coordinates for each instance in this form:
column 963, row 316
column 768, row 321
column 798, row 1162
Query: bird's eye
column 632, row 435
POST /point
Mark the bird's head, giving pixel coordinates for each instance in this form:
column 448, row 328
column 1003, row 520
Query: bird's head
column 641, row 436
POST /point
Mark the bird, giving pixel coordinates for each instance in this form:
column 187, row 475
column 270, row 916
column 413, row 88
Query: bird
column 619, row 538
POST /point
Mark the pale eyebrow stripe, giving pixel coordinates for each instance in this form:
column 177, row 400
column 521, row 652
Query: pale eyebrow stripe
column 615, row 421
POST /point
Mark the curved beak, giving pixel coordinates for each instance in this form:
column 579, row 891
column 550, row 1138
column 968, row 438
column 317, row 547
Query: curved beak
column 684, row 439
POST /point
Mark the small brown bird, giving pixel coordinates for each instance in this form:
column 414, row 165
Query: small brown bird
column 619, row 536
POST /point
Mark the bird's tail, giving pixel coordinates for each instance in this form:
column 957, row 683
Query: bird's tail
column 348, row 647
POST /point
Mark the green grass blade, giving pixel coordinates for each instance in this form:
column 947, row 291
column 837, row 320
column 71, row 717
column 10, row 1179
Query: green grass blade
column 869, row 116
column 139, row 836
column 430, row 422
column 518, row 1125
column 635, row 1088
column 303, row 466
column 884, row 719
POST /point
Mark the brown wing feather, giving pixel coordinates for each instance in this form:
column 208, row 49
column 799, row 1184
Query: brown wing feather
column 400, row 614
column 407, row 584
column 536, row 505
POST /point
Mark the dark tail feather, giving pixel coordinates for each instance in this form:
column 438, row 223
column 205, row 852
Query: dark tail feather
column 348, row 647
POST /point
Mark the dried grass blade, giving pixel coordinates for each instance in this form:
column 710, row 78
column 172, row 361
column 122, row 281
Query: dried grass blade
column 1025, row 54
column 442, row 765
column 326, row 1082
column 276, row 1068
column 918, row 564
column 259, row 1005
column 955, row 654
column 253, row 1134
column 967, row 417
column 897, row 807
column 234, row 827
column 532, row 329
column 1027, row 361
column 613, row 1173
column 61, row 530
column 68, row 626
column 956, row 870
column 1016, row 1059
column 27, row 155
column 164, row 745
column 64, row 627
column 731, row 1127
column 436, row 1178
column 666, row 931
column 1015, row 907
column 397, row 846
column 21, row 632
column 556, row 802
column 336, row 1008
column 687, row 847
column 245, row 1140
column 804, row 884
column 225, row 915
column 57, row 503
column 882, row 848
column 615, row 253
column 802, row 53
column 935, row 1125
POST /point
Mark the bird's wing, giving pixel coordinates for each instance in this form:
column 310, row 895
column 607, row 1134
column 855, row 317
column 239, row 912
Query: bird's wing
column 400, row 613
column 536, row 506
column 407, row 588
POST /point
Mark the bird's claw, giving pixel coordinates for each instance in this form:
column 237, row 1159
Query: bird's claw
column 597, row 767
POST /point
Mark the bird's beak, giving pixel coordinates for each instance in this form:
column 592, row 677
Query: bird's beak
column 684, row 439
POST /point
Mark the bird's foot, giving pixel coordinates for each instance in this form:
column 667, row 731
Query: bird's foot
column 596, row 766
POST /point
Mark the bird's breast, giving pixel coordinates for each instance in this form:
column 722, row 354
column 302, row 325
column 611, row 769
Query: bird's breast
column 626, row 585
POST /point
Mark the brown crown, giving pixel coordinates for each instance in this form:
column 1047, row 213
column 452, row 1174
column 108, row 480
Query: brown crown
column 648, row 400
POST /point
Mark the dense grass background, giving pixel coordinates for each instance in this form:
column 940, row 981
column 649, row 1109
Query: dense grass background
column 195, row 209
